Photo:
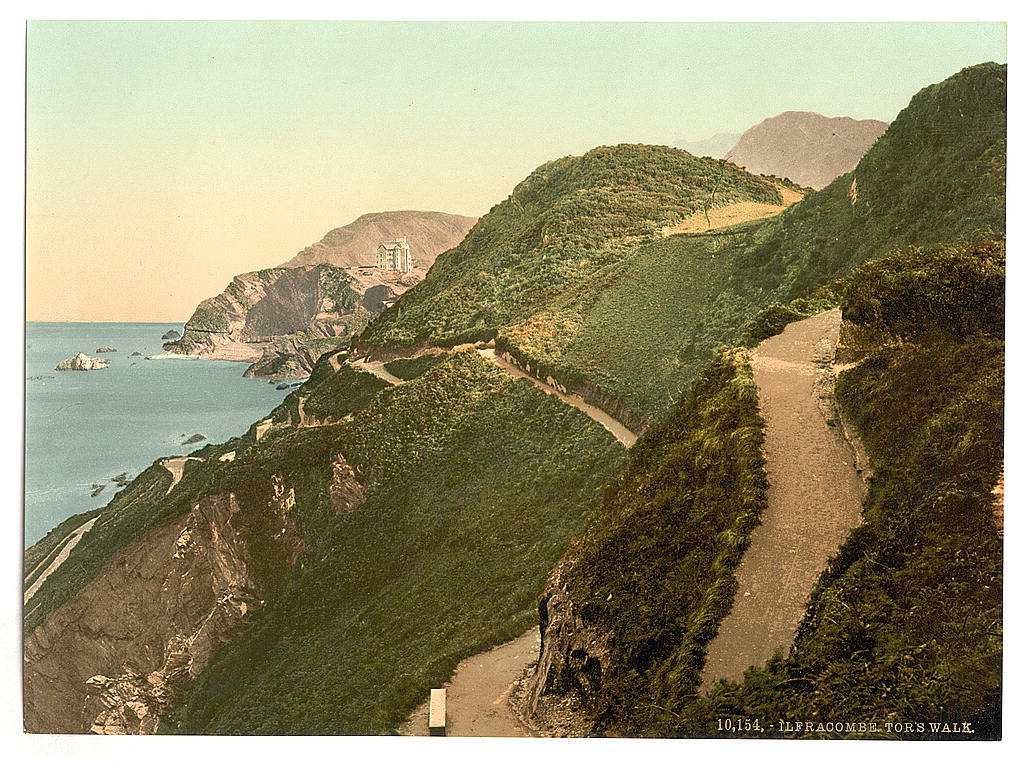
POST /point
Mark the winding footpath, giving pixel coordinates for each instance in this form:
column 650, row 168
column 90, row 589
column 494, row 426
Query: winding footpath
column 621, row 433
column 478, row 692
column 176, row 467
column 815, row 496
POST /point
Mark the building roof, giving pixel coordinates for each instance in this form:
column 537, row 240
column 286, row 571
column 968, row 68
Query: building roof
column 394, row 245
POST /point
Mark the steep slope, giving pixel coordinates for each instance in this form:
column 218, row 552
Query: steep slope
column 560, row 227
column 284, row 319
column 318, row 579
column 416, row 552
column 905, row 621
column 635, row 657
column 808, row 148
column 429, row 232
column 628, row 328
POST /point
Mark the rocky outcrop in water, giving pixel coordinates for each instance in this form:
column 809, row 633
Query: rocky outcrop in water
column 105, row 350
column 83, row 362
column 170, row 335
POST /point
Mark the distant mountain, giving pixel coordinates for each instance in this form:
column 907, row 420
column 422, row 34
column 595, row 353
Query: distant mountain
column 716, row 147
column 808, row 148
column 429, row 233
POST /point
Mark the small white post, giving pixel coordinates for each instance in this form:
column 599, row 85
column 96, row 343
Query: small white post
column 436, row 724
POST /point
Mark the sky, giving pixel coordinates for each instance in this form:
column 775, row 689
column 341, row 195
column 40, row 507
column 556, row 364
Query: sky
column 162, row 158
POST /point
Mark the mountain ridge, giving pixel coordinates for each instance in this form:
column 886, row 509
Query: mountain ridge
column 805, row 146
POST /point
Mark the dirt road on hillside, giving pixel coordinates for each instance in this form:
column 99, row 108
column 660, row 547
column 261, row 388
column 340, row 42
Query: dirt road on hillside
column 376, row 368
column 624, row 436
column 72, row 541
column 478, row 692
column 814, row 498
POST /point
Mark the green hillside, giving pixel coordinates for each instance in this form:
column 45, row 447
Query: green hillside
column 476, row 484
column 562, row 224
column 906, row 621
column 630, row 328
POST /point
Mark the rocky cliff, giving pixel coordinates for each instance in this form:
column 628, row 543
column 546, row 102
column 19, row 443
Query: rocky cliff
column 808, row 148
column 109, row 660
column 284, row 318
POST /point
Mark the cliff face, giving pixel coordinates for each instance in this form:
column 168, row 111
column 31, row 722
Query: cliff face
column 284, row 318
column 110, row 660
column 808, row 148
column 429, row 232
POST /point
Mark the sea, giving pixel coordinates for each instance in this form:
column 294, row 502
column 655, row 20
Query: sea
column 83, row 428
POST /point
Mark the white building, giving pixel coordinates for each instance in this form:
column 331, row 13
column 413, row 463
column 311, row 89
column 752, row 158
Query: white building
column 394, row 255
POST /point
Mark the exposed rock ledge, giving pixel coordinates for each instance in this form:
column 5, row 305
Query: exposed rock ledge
column 110, row 660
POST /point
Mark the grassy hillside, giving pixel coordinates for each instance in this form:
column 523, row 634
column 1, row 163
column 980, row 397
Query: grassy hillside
column 905, row 624
column 446, row 556
column 560, row 225
column 628, row 320
column 656, row 570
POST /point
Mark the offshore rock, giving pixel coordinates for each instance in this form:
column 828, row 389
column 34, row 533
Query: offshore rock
column 82, row 362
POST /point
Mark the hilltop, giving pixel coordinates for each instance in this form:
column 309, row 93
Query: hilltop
column 562, row 225
column 429, row 232
column 808, row 148
column 919, row 274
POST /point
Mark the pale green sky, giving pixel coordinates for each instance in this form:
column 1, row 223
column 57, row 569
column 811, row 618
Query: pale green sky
column 163, row 158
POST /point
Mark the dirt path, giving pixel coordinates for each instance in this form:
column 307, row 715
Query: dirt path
column 478, row 692
column 814, row 498
column 377, row 368
column 70, row 544
column 733, row 214
column 624, row 436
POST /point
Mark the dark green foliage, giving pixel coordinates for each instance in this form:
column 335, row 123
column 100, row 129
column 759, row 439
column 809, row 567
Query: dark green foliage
column 905, row 625
column 340, row 394
column 628, row 325
column 560, row 225
column 955, row 291
column 938, row 175
column 446, row 556
column 335, row 283
column 656, row 571
column 407, row 369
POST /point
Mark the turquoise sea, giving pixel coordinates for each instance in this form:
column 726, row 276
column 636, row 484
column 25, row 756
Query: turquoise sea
column 84, row 428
